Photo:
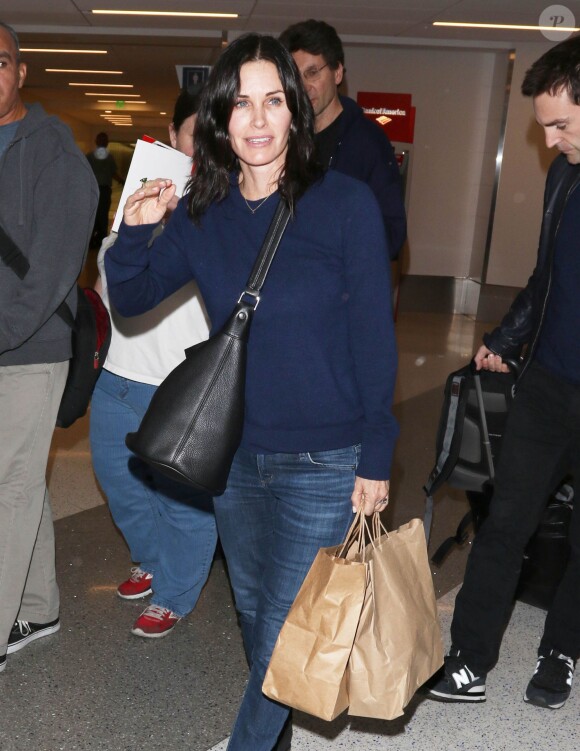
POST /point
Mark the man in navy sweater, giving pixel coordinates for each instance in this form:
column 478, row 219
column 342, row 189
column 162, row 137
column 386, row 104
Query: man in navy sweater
column 345, row 140
column 542, row 438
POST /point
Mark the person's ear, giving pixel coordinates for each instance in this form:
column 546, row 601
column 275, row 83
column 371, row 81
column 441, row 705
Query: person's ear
column 338, row 74
column 172, row 135
column 21, row 74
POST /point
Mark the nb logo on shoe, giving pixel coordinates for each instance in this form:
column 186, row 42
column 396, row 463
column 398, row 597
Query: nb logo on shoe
column 463, row 678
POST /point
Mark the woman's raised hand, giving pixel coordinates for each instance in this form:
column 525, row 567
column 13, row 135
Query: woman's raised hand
column 148, row 204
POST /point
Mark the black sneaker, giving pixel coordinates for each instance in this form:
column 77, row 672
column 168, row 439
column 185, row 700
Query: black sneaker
column 2, row 662
column 456, row 682
column 552, row 681
column 24, row 632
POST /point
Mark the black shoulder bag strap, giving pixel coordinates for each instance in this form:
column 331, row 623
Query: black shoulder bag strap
column 267, row 252
column 15, row 259
column 12, row 256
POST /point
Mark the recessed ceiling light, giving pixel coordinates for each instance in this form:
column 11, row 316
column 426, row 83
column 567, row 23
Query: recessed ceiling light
column 118, row 94
column 114, row 101
column 164, row 13
column 76, row 70
column 111, row 85
column 517, row 27
column 72, row 52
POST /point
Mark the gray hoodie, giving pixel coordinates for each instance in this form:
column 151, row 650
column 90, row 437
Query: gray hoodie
column 48, row 199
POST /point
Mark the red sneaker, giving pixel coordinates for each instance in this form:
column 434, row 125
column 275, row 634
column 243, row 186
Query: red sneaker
column 155, row 622
column 137, row 585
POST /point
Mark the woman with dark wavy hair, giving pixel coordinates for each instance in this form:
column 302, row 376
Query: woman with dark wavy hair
column 216, row 158
column 319, row 434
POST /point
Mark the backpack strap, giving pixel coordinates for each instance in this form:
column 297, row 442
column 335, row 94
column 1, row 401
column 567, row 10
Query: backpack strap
column 449, row 446
column 15, row 259
column 459, row 538
column 438, row 475
column 65, row 314
column 12, row 256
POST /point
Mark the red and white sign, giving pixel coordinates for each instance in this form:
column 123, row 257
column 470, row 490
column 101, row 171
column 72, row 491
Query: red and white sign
column 394, row 113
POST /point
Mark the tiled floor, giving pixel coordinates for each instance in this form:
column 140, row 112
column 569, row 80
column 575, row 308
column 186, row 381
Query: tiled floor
column 94, row 687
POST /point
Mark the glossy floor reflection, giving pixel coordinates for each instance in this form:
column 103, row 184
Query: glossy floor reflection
column 95, row 687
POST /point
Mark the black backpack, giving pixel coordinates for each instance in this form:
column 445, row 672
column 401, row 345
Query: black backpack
column 471, row 426
column 91, row 336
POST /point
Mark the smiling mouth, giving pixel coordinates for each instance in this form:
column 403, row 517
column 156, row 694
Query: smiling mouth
column 259, row 141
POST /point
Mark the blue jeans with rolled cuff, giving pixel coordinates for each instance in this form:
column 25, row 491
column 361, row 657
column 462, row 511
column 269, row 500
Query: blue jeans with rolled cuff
column 277, row 512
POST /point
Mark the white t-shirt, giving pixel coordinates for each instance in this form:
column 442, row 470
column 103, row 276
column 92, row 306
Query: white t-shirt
column 146, row 348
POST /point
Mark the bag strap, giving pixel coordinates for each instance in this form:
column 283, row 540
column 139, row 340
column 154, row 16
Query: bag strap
column 267, row 252
column 440, row 471
column 437, row 476
column 15, row 259
column 12, row 256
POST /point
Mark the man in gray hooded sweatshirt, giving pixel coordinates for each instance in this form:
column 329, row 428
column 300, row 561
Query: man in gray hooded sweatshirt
column 48, row 198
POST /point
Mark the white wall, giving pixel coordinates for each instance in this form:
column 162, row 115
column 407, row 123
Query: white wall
column 520, row 195
column 459, row 94
column 454, row 91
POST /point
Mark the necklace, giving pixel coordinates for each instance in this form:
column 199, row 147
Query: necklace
column 262, row 202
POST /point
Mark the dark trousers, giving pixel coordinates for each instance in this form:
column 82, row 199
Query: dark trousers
column 541, row 444
column 101, row 227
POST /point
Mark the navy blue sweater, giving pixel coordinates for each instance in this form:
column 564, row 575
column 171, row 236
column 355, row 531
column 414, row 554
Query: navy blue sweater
column 322, row 356
column 365, row 152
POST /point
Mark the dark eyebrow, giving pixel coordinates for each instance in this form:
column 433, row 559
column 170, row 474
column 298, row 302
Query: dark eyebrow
column 270, row 93
column 557, row 121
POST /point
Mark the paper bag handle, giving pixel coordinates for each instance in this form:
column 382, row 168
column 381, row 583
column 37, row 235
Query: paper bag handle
column 354, row 536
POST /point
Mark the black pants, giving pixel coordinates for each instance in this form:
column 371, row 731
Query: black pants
column 101, row 227
column 541, row 444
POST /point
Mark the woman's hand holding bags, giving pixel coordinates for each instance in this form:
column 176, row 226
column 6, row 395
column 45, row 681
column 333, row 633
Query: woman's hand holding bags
column 363, row 631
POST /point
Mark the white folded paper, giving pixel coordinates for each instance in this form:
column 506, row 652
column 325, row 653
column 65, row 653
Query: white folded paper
column 152, row 160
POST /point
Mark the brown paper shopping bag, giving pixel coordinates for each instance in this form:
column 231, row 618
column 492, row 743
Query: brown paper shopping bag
column 398, row 643
column 308, row 665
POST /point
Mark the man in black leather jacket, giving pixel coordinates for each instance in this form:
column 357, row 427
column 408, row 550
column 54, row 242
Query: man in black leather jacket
column 542, row 439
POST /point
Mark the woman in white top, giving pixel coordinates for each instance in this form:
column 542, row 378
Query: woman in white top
column 170, row 530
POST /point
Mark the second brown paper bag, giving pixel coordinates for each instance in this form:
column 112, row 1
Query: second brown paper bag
column 398, row 644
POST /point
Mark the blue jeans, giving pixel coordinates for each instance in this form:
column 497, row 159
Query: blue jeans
column 276, row 513
column 169, row 528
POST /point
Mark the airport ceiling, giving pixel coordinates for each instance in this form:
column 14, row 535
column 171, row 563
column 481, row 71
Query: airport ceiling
column 147, row 49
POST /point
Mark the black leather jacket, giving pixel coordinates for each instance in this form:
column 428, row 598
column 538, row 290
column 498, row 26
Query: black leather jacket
column 523, row 322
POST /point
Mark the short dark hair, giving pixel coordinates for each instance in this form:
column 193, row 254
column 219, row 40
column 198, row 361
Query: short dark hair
column 317, row 38
column 186, row 105
column 102, row 140
column 215, row 159
column 14, row 36
column 556, row 71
